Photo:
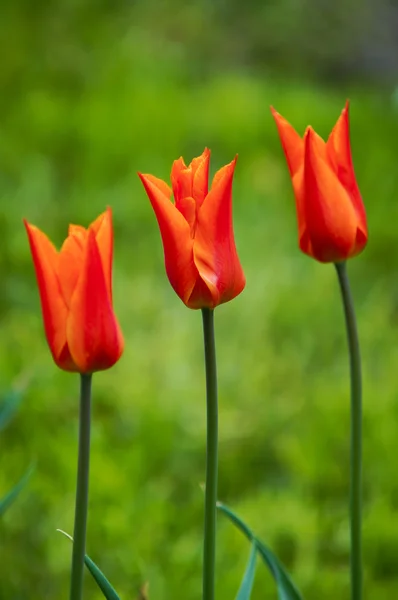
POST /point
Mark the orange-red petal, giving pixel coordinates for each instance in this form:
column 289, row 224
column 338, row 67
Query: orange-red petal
column 191, row 181
column 176, row 237
column 181, row 180
column 215, row 252
column 293, row 148
column 339, row 152
column 103, row 229
column 331, row 220
column 54, row 309
column 299, row 193
column 93, row 334
column 187, row 207
column 69, row 265
column 200, row 181
column 292, row 143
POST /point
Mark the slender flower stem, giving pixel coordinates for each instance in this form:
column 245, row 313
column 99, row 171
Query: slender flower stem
column 83, row 467
column 209, row 549
column 356, row 434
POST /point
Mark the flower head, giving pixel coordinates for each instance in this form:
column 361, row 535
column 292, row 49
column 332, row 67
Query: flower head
column 75, row 287
column 330, row 212
column 198, row 241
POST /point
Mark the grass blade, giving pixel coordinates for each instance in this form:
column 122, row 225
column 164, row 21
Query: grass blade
column 12, row 494
column 102, row 582
column 9, row 406
column 246, row 586
column 286, row 588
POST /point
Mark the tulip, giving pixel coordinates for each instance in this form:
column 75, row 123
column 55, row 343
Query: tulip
column 330, row 212
column 75, row 287
column 198, row 240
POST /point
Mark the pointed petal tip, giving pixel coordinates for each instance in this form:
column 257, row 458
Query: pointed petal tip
column 279, row 119
column 310, row 144
column 30, row 228
column 108, row 214
column 179, row 163
column 227, row 171
column 91, row 239
column 145, row 177
column 345, row 111
column 308, row 134
column 145, row 180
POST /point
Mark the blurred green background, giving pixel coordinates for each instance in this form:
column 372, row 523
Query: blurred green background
column 92, row 92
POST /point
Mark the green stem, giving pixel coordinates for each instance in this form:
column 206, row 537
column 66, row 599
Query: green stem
column 356, row 434
column 83, row 466
column 209, row 549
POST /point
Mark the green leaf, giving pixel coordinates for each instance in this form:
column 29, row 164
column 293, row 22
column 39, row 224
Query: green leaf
column 246, row 586
column 102, row 582
column 12, row 494
column 286, row 588
column 9, row 406
column 236, row 521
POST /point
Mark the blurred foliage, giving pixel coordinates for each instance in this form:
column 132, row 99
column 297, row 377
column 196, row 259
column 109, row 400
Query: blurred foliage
column 9, row 403
column 93, row 92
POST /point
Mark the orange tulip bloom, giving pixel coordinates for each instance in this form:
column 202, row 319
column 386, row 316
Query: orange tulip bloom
column 330, row 212
column 75, row 287
column 198, row 240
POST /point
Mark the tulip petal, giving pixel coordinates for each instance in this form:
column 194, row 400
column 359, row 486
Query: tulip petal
column 159, row 184
column 54, row 309
column 191, row 181
column 293, row 148
column 183, row 187
column 78, row 232
column 94, row 337
column 299, row 192
column 176, row 237
column 318, row 145
column 187, row 207
column 103, row 229
column 331, row 219
column 339, row 151
column 292, row 143
column 177, row 168
column 70, row 261
column 214, row 249
column 200, row 171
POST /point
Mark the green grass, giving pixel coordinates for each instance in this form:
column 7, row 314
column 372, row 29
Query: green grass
column 71, row 143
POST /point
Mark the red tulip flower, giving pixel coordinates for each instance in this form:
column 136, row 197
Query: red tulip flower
column 198, row 240
column 330, row 212
column 75, row 287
